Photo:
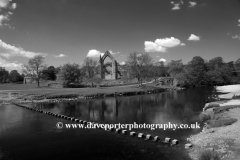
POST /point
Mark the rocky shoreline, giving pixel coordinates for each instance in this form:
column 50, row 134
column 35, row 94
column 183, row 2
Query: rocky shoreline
column 220, row 136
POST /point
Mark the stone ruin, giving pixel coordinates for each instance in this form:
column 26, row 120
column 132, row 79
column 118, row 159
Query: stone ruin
column 117, row 70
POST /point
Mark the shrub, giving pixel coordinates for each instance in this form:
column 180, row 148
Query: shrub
column 203, row 117
column 208, row 155
column 224, row 108
column 72, row 85
column 221, row 122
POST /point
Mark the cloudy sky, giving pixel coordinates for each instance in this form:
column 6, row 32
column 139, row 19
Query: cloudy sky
column 69, row 30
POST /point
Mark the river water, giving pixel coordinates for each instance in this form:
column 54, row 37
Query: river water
column 26, row 134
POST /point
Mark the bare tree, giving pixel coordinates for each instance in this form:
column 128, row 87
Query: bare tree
column 139, row 65
column 90, row 69
column 34, row 68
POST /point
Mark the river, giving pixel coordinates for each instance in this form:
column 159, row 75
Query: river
column 26, row 134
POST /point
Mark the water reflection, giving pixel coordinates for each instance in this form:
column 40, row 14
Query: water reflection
column 24, row 127
column 175, row 107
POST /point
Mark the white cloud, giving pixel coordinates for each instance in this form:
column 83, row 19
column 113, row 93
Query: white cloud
column 10, row 65
column 153, row 47
column 192, row 4
column 162, row 60
column 4, row 3
column 236, row 37
column 194, row 38
column 161, row 45
column 113, row 53
column 168, row 42
column 60, row 55
column 176, row 6
column 13, row 6
column 6, row 55
column 122, row 63
column 3, row 18
column 94, row 53
column 8, row 50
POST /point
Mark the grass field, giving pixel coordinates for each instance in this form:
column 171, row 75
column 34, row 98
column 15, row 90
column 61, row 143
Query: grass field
column 33, row 89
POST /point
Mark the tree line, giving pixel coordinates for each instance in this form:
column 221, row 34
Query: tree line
column 68, row 74
column 12, row 76
column 197, row 72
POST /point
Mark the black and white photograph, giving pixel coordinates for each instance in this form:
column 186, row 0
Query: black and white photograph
column 120, row 79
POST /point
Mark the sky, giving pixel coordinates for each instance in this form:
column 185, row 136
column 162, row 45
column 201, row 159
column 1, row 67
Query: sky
column 70, row 30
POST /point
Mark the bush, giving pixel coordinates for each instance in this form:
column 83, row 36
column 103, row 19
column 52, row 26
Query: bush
column 221, row 122
column 208, row 155
column 203, row 117
column 74, row 86
column 225, row 108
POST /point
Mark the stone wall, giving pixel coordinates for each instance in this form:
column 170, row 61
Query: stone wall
column 55, row 85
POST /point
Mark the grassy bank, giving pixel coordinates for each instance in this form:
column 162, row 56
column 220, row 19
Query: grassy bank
column 221, row 134
column 27, row 90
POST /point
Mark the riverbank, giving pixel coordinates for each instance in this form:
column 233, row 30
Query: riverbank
column 31, row 92
column 221, row 134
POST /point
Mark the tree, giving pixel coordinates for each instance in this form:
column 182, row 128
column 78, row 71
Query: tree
column 237, row 64
column 70, row 73
column 139, row 65
column 216, row 62
column 35, row 67
column 14, row 76
column 90, row 69
column 4, row 75
column 219, row 72
column 175, row 67
column 157, row 70
column 49, row 73
column 181, row 78
column 196, row 71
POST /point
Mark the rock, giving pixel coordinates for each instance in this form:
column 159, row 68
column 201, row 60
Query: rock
column 211, row 105
column 211, row 131
column 221, row 150
column 188, row 146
